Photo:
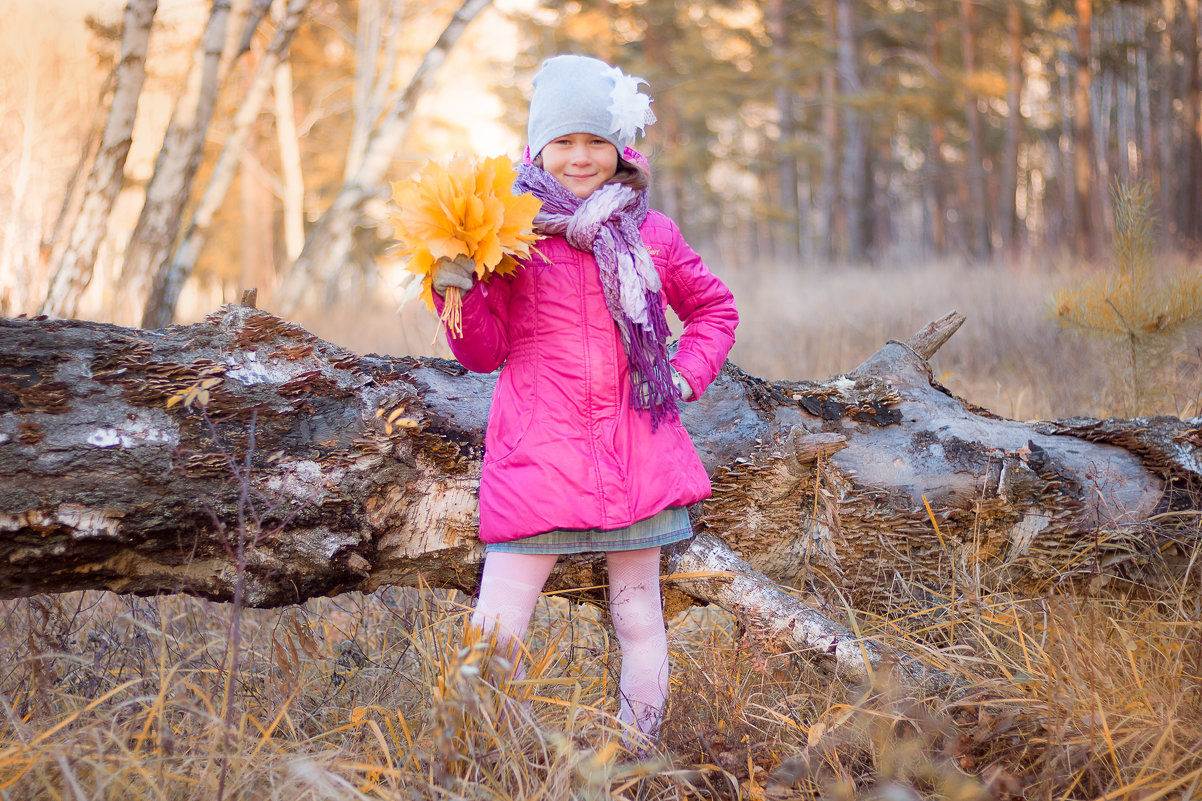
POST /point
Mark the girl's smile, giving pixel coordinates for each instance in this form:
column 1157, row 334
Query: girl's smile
column 581, row 162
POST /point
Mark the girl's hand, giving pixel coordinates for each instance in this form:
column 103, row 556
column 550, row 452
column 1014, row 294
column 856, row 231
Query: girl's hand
column 686, row 392
column 459, row 272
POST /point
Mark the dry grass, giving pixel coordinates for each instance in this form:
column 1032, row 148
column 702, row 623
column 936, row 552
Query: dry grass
column 1011, row 356
column 1075, row 696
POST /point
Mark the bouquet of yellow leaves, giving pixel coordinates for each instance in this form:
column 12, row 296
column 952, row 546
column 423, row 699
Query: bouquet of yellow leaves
column 463, row 208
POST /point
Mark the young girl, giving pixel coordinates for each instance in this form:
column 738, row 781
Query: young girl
column 584, row 449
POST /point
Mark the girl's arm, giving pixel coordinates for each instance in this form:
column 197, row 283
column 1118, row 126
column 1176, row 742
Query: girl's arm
column 484, row 345
column 707, row 309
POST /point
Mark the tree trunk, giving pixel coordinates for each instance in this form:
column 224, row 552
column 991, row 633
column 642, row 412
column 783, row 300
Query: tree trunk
column 1008, row 218
column 153, row 238
column 854, row 159
column 73, row 271
column 140, row 461
column 788, row 181
column 977, row 212
column 257, row 223
column 166, row 284
column 53, row 245
column 376, row 54
column 1165, row 127
column 329, row 240
column 828, row 214
column 936, row 187
column 1084, row 167
column 1192, row 227
column 293, row 176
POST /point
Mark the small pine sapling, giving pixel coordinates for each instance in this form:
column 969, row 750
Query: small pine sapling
column 1143, row 314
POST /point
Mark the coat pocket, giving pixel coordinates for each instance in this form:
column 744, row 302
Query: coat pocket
column 512, row 408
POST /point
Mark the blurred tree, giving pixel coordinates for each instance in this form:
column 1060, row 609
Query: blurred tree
column 977, row 206
column 853, row 190
column 168, row 278
column 1191, row 198
column 170, row 187
column 1084, row 166
column 329, row 241
column 73, row 272
column 788, row 173
column 1008, row 185
column 829, row 220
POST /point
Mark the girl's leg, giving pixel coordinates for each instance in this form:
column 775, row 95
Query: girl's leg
column 509, row 589
column 638, row 618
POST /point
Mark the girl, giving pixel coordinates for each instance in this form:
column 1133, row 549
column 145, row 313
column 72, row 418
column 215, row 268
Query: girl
column 584, row 449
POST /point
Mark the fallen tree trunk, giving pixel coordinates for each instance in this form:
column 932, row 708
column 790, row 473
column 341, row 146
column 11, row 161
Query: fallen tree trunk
column 244, row 449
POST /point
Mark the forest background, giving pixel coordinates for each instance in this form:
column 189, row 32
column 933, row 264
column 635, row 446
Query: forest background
column 851, row 169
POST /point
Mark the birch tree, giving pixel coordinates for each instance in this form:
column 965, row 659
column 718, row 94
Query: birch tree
column 328, row 242
column 166, row 284
column 170, row 185
column 293, row 195
column 73, row 271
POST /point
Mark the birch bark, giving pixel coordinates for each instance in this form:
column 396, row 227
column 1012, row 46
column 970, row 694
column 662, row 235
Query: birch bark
column 170, row 186
column 167, row 284
column 328, row 242
column 73, row 272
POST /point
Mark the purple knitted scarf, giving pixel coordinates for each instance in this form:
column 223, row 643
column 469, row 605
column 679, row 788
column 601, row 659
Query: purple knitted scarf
column 606, row 224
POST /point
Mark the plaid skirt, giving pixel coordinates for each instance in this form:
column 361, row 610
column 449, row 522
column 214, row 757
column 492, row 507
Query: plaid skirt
column 670, row 525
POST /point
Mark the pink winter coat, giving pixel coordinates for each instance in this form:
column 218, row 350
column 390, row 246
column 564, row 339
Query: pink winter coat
column 564, row 448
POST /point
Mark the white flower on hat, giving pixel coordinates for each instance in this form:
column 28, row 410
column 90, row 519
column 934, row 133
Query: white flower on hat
column 630, row 108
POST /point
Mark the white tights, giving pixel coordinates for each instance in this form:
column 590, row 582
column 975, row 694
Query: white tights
column 510, row 588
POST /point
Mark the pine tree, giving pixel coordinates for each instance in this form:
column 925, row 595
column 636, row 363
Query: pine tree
column 1142, row 314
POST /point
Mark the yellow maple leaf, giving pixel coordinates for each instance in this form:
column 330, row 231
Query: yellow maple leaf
column 465, row 207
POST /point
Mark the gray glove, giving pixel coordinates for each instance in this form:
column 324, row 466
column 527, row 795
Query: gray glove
column 458, row 272
column 686, row 392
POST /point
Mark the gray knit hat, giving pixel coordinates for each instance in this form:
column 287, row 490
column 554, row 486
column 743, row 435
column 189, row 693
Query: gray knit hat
column 578, row 94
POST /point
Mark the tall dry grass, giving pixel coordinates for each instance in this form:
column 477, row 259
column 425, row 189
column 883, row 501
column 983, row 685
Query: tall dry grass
column 1011, row 356
column 1072, row 696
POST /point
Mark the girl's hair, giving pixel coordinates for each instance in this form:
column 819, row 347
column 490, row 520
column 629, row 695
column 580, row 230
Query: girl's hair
column 633, row 175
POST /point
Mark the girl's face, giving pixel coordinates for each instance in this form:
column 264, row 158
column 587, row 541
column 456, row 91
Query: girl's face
column 581, row 162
